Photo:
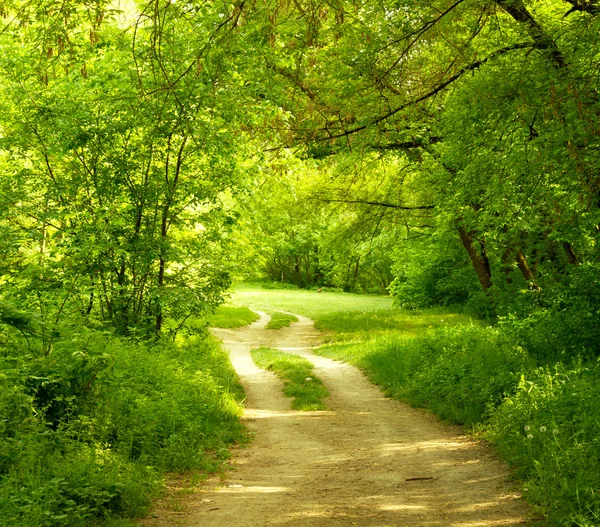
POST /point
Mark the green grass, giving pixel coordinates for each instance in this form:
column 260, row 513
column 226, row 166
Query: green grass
column 307, row 303
column 349, row 317
column 280, row 320
column 299, row 382
column 232, row 317
column 365, row 325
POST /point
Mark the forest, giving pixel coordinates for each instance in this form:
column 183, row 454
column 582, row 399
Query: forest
column 153, row 153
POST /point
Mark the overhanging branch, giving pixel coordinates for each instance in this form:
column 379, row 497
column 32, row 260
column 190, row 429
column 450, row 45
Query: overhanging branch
column 377, row 204
column 434, row 91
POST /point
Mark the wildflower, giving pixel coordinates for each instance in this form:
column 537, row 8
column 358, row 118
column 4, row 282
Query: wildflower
column 308, row 379
column 555, row 431
column 529, row 436
column 527, row 428
column 542, row 429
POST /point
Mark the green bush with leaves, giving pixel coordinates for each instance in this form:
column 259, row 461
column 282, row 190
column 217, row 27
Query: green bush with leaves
column 549, row 431
column 87, row 430
column 460, row 373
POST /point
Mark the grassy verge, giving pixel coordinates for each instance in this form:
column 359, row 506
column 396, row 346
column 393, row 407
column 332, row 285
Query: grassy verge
column 543, row 421
column 307, row 390
column 87, row 433
column 280, row 320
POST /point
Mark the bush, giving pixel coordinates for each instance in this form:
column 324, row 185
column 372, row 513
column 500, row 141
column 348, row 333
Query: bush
column 438, row 276
column 86, row 431
column 549, row 430
column 565, row 323
column 460, row 373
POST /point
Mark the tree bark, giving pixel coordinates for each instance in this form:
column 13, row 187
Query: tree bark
column 517, row 10
column 525, row 269
column 571, row 256
column 479, row 259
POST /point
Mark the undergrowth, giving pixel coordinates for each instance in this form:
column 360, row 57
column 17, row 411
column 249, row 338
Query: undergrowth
column 87, row 431
column 299, row 382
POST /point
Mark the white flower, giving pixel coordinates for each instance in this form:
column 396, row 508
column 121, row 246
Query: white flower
column 529, row 436
column 527, row 428
column 542, row 429
column 308, row 379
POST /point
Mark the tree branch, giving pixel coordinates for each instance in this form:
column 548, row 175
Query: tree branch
column 434, row 91
column 376, row 203
column 584, row 6
column 517, row 10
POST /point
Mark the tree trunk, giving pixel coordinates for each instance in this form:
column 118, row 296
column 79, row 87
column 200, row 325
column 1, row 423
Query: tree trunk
column 571, row 256
column 525, row 269
column 506, row 265
column 479, row 259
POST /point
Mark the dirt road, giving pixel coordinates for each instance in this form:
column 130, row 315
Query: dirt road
column 369, row 461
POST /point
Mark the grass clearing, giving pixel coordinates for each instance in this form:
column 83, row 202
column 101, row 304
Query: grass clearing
column 349, row 317
column 279, row 320
column 299, row 382
column 365, row 325
column 310, row 304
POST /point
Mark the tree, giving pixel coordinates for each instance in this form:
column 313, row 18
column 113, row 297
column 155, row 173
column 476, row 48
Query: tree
column 118, row 147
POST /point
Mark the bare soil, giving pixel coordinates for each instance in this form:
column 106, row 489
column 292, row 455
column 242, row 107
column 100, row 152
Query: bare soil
column 369, row 461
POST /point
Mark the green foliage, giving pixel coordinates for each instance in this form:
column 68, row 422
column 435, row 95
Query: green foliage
column 299, row 382
column 87, row 430
column 232, row 317
column 303, row 240
column 566, row 322
column 549, row 430
column 460, row 373
column 280, row 320
column 435, row 272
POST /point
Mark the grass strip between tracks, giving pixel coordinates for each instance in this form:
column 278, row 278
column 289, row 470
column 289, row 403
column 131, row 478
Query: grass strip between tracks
column 299, row 382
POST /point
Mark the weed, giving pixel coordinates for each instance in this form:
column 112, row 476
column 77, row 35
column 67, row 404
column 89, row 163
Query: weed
column 85, row 440
column 549, row 430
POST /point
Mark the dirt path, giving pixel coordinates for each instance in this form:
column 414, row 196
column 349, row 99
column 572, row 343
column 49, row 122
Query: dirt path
column 370, row 461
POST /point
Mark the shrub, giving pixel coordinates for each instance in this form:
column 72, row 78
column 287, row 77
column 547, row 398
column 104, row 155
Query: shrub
column 460, row 373
column 549, row 430
column 86, row 431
